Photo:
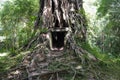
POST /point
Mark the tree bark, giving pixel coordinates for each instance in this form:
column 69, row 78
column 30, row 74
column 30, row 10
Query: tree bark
column 63, row 15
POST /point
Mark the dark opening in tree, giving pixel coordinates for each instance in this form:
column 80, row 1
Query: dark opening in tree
column 58, row 40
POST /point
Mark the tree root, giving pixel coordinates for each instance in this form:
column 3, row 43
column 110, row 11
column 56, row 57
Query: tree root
column 43, row 64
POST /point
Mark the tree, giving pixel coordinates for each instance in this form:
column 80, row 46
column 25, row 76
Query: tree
column 63, row 23
column 67, row 14
column 17, row 20
column 110, row 9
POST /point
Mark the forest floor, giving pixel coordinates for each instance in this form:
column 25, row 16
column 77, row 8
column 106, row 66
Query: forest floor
column 43, row 64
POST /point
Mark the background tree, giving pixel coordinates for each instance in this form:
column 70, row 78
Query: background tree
column 17, row 20
column 110, row 33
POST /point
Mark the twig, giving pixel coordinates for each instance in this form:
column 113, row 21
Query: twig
column 73, row 78
column 51, row 77
column 44, row 74
column 57, row 76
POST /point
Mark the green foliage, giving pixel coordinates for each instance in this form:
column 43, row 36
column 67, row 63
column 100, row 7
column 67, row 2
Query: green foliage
column 104, row 7
column 110, row 34
column 8, row 61
column 104, row 40
column 17, row 21
column 107, row 65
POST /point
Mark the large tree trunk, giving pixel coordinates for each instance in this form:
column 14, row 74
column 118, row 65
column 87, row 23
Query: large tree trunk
column 62, row 18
